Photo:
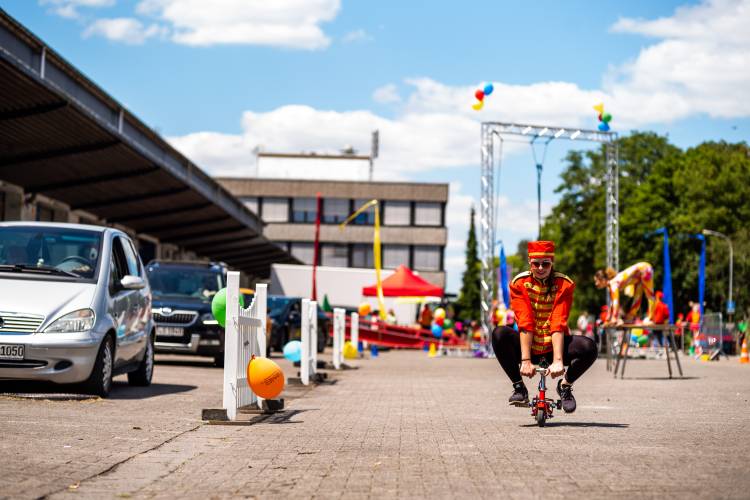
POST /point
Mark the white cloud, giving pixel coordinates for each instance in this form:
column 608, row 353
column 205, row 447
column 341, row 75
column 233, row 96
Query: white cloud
column 69, row 8
column 359, row 35
column 279, row 23
column 386, row 94
column 411, row 143
column 702, row 64
column 123, row 29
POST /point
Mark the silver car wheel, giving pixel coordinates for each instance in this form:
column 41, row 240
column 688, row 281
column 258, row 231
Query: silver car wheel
column 107, row 366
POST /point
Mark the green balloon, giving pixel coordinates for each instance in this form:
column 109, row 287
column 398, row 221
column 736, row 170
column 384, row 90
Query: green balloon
column 606, row 117
column 219, row 306
column 448, row 324
column 643, row 340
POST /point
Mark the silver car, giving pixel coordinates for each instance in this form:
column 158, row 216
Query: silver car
column 75, row 306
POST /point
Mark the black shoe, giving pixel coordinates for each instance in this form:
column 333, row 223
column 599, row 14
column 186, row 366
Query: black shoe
column 566, row 394
column 520, row 396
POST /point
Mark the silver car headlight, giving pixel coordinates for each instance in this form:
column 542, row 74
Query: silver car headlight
column 78, row 321
column 208, row 319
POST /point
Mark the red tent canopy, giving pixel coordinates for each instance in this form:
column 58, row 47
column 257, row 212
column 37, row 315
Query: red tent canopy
column 404, row 283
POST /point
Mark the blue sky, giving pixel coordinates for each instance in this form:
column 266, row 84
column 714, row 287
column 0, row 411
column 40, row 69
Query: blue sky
column 320, row 74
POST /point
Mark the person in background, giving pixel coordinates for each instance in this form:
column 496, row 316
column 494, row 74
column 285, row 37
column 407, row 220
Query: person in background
column 583, row 322
column 660, row 317
column 425, row 317
column 636, row 281
column 390, row 318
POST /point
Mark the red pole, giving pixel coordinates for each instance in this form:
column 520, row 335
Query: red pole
column 316, row 250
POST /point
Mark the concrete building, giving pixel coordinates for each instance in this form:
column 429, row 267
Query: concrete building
column 412, row 216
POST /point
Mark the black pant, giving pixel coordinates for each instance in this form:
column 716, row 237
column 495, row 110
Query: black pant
column 579, row 353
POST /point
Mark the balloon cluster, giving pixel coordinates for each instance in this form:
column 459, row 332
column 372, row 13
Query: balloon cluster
column 604, row 118
column 480, row 95
column 441, row 325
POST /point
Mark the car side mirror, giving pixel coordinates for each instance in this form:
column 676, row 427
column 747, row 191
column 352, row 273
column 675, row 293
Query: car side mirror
column 131, row 282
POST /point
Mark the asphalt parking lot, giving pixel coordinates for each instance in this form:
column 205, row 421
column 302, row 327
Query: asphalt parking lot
column 402, row 425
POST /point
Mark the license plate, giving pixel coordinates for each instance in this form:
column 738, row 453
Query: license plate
column 11, row 351
column 169, row 331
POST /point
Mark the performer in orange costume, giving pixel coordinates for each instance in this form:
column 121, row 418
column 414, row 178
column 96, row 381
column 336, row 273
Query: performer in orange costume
column 641, row 277
column 541, row 300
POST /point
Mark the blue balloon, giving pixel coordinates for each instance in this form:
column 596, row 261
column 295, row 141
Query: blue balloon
column 488, row 89
column 604, row 126
column 293, row 351
column 437, row 331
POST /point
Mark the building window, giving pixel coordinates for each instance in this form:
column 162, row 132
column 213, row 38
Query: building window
column 366, row 218
column 362, row 256
column 395, row 255
column 304, row 209
column 304, row 252
column 397, row 213
column 427, row 258
column 427, row 214
column 335, row 210
column 335, row 255
column 44, row 213
column 251, row 204
column 276, row 209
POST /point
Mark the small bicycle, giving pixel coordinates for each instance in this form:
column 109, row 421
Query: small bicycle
column 541, row 406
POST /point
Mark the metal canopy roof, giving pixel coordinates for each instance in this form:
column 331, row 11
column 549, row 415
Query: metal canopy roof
column 64, row 137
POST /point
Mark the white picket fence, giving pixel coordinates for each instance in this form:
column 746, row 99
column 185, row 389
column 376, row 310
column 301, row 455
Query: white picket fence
column 354, row 330
column 339, row 334
column 309, row 356
column 244, row 336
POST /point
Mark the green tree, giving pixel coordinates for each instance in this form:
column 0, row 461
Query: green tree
column 660, row 186
column 469, row 298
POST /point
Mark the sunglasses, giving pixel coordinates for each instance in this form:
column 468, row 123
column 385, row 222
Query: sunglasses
column 541, row 263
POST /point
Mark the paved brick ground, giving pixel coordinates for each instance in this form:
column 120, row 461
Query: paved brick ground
column 403, row 425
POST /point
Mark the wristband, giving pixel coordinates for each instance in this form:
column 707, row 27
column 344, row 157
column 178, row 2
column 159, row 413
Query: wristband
column 527, row 359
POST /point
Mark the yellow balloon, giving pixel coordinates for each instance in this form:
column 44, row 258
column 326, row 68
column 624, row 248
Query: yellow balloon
column 599, row 107
column 439, row 313
column 350, row 350
column 265, row 377
column 478, row 105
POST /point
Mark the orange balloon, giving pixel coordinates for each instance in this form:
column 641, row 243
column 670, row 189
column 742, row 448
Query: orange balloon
column 265, row 377
column 364, row 309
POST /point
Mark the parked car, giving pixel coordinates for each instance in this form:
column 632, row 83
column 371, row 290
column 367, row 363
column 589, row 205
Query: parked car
column 286, row 322
column 182, row 307
column 76, row 306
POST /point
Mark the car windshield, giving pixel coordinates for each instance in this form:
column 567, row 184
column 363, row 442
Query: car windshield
column 184, row 282
column 50, row 250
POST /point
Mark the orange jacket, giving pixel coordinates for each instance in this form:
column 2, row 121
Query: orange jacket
column 521, row 304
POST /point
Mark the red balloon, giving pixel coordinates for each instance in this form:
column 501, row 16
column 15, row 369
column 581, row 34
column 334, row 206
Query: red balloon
column 440, row 321
column 600, row 117
column 479, row 94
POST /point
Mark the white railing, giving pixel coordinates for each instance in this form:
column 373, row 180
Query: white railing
column 354, row 330
column 309, row 356
column 339, row 332
column 244, row 336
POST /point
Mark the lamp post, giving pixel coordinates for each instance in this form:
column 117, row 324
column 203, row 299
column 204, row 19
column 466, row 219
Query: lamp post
column 730, row 303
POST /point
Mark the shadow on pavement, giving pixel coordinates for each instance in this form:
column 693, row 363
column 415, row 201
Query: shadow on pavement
column 279, row 418
column 581, row 424
column 121, row 390
column 660, row 378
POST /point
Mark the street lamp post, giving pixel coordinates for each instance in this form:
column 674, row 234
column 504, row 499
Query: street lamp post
column 730, row 303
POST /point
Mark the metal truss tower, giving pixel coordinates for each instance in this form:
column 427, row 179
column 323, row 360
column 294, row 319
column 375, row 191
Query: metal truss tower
column 487, row 227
